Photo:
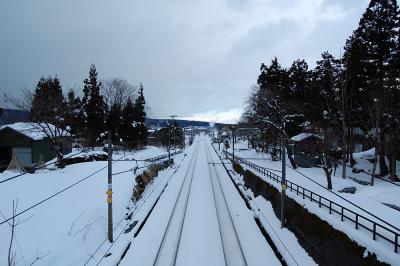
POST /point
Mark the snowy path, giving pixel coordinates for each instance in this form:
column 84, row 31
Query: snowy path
column 200, row 220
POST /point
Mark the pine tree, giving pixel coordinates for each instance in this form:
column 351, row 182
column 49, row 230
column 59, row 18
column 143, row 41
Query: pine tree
column 48, row 104
column 48, row 112
column 127, row 131
column 93, row 107
column 114, row 121
column 140, row 117
column 369, row 60
column 74, row 106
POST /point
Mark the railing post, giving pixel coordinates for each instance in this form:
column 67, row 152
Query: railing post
column 319, row 201
column 303, row 194
column 342, row 215
column 396, row 240
column 330, row 207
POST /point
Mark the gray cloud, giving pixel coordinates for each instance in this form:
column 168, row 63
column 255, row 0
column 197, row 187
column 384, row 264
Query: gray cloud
column 193, row 57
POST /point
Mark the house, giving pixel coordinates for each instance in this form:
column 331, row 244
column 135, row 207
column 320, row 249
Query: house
column 29, row 143
column 307, row 149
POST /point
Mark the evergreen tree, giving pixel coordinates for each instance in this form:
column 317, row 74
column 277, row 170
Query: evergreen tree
column 370, row 59
column 48, row 103
column 140, row 117
column 127, row 131
column 114, row 121
column 74, row 106
column 93, row 107
column 48, row 112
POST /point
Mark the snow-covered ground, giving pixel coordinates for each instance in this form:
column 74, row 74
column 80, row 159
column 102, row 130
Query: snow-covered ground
column 68, row 228
column 369, row 198
column 284, row 240
column 201, row 242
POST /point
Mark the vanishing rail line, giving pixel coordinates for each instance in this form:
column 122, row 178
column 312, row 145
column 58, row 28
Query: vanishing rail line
column 173, row 231
column 232, row 248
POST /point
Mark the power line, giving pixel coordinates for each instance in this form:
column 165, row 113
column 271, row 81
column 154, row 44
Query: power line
column 37, row 168
column 56, row 194
column 136, row 212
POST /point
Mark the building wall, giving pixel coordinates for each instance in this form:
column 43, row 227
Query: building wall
column 9, row 138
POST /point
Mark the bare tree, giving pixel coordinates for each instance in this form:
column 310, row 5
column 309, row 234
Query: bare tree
column 13, row 223
column 116, row 91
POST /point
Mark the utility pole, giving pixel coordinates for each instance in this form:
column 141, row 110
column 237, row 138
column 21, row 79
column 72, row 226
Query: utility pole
column 219, row 139
column 233, row 143
column 174, row 128
column 109, row 190
column 169, row 144
column 283, row 183
column 184, row 137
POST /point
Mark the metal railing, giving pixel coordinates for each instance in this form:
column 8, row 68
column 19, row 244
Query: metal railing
column 377, row 229
column 160, row 157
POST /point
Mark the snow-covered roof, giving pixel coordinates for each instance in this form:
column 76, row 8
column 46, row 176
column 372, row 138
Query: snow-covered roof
column 34, row 131
column 303, row 136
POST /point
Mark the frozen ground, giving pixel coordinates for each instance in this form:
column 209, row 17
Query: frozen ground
column 369, row 198
column 69, row 227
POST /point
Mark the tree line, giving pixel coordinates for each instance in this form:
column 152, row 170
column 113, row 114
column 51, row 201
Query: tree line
column 360, row 89
column 112, row 105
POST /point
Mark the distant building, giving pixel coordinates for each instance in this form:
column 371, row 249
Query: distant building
column 29, row 144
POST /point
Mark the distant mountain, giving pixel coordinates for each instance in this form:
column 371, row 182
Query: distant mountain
column 9, row 116
column 153, row 122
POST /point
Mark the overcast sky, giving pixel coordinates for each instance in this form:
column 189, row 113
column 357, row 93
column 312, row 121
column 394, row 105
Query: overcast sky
column 196, row 58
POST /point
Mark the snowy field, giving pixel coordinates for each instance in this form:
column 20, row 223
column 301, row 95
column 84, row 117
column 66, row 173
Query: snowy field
column 372, row 199
column 68, row 228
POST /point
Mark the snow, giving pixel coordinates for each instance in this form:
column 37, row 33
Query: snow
column 303, row 136
column 370, row 198
column 200, row 241
column 34, row 131
column 70, row 226
column 285, row 241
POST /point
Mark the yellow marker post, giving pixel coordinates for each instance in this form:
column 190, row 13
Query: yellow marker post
column 109, row 196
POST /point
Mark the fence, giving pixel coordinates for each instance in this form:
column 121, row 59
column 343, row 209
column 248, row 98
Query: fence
column 360, row 221
column 160, row 157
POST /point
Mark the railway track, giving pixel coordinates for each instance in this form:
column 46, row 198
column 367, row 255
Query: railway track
column 173, row 231
column 232, row 248
column 199, row 222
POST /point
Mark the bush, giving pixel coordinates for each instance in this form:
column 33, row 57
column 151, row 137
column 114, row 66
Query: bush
column 145, row 178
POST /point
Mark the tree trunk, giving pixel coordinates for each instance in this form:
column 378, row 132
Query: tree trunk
column 384, row 170
column 344, row 155
column 393, row 165
column 328, row 171
column 375, row 162
column 392, row 157
column 290, row 156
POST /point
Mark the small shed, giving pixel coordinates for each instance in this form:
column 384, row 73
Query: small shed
column 307, row 149
column 29, row 143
